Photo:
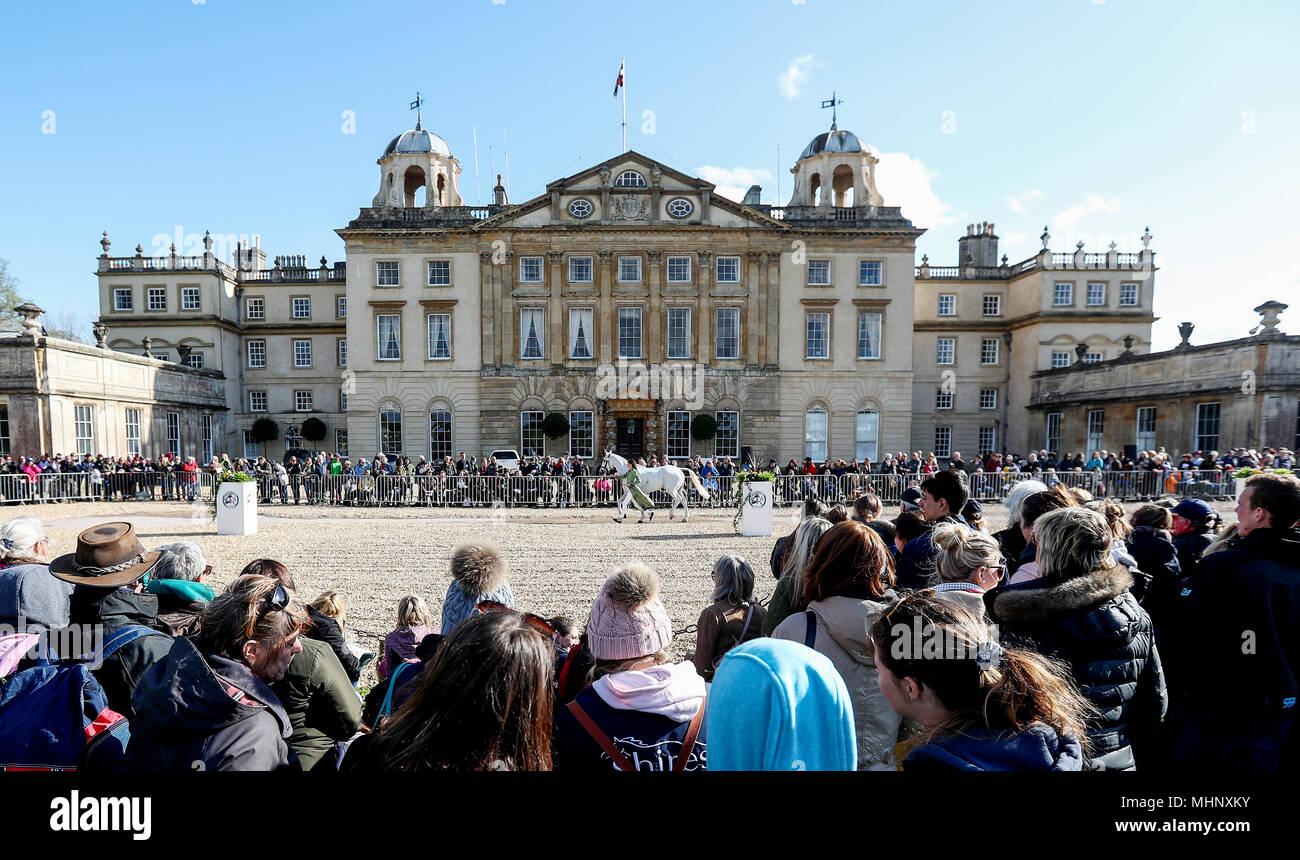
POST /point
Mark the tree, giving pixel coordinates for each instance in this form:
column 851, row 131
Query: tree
column 704, row 426
column 313, row 430
column 68, row 326
column 555, row 425
column 264, row 430
column 9, row 299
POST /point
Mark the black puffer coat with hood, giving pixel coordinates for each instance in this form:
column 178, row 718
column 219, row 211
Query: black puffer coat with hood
column 197, row 711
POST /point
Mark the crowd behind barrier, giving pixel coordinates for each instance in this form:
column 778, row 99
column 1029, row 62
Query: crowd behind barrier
column 562, row 491
column 1085, row 637
column 394, row 480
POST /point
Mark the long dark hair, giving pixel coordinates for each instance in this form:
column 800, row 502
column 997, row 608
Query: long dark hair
column 1019, row 687
column 484, row 703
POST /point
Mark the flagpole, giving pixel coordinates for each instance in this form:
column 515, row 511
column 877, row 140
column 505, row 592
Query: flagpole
column 623, row 66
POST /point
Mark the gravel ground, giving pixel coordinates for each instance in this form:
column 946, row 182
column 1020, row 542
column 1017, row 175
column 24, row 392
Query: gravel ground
column 558, row 558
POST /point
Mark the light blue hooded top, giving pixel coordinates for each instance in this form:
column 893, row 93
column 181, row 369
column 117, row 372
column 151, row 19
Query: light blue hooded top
column 779, row 705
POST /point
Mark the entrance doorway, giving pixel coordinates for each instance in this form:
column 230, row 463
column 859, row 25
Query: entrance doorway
column 631, row 437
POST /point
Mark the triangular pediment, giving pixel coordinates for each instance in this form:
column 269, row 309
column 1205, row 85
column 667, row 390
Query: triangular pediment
column 591, row 181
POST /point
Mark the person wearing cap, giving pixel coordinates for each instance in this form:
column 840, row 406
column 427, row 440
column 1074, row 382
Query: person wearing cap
column 207, row 705
column 109, row 572
column 1195, row 523
column 643, row 712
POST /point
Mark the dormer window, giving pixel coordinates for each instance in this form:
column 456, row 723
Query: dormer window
column 630, row 179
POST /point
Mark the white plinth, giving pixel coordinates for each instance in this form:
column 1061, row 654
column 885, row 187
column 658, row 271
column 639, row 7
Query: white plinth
column 237, row 509
column 756, row 510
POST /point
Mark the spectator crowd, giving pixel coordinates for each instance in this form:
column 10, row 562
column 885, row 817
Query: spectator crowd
column 1081, row 637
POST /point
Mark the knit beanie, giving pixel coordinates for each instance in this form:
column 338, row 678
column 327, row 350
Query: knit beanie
column 628, row 620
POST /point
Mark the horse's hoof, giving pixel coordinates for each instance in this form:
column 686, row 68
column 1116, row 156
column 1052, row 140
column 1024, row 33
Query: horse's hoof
column 652, row 516
column 617, row 520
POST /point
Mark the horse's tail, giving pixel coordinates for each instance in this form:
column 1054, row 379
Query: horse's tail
column 699, row 488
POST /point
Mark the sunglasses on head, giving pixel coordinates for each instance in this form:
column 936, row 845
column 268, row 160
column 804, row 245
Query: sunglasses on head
column 276, row 601
column 537, row 622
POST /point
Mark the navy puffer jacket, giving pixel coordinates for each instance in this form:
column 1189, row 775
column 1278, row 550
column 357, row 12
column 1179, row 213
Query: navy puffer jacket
column 1095, row 625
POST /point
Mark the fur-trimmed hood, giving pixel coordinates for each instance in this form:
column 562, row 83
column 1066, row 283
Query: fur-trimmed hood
column 1036, row 600
column 479, row 567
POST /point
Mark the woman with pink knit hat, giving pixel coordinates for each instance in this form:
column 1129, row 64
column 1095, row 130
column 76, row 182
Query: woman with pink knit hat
column 643, row 711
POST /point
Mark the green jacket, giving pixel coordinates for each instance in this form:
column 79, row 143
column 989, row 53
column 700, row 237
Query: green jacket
column 323, row 706
column 782, row 604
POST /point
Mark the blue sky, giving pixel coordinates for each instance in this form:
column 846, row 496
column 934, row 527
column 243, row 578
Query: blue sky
column 1095, row 118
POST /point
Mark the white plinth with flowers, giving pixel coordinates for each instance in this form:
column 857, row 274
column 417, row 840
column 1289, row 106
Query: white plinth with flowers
column 756, row 509
column 237, row 508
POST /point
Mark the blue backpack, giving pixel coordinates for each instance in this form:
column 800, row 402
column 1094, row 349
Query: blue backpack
column 55, row 716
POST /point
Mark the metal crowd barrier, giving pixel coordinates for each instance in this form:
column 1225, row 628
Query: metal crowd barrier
column 561, row 491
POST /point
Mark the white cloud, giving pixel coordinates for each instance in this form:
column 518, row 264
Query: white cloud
column 1016, row 202
column 796, row 75
column 733, row 182
column 905, row 181
column 1065, row 220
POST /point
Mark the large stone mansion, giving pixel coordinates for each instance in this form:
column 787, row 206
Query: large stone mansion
column 812, row 327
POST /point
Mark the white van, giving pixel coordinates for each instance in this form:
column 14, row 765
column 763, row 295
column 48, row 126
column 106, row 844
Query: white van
column 508, row 460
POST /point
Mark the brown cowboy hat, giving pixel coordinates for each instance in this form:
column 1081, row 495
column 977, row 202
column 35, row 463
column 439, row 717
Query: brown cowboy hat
column 108, row 555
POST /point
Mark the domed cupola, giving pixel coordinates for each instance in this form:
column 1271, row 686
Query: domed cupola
column 835, row 170
column 416, row 161
column 835, row 140
column 418, row 140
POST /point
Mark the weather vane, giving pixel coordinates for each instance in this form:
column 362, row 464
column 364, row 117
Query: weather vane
column 831, row 103
column 415, row 106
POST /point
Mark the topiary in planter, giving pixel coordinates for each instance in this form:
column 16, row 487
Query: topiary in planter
column 264, row 430
column 313, row 430
column 704, row 426
column 555, row 425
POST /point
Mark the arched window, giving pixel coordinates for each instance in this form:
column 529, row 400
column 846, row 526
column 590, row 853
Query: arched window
column 842, row 184
column 414, row 184
column 439, row 434
column 815, row 189
column 868, row 434
column 815, row 433
column 630, row 178
column 390, row 430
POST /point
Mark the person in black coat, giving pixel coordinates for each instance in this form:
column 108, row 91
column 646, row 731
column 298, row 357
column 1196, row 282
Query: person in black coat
column 108, row 571
column 329, row 631
column 1152, row 547
column 1238, row 643
column 1194, row 527
column 1080, row 611
column 943, row 495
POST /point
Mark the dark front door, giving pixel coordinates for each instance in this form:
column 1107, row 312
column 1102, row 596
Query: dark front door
column 631, row 437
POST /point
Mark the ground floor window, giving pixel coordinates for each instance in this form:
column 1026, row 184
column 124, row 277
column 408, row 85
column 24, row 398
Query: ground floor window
column 815, row 434
column 943, row 441
column 679, row 434
column 439, row 434
column 4, row 429
column 207, row 438
column 1207, row 427
column 582, row 442
column 868, row 435
column 532, row 442
column 390, row 431
column 341, row 442
column 85, row 429
column 252, row 447
column 727, row 442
